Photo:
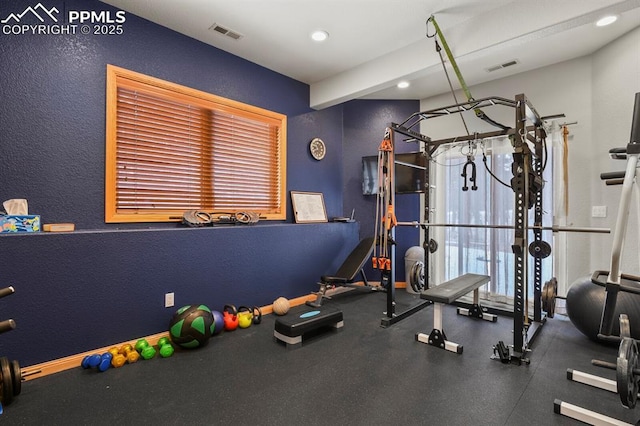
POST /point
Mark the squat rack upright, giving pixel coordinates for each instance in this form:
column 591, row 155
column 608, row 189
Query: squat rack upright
column 527, row 185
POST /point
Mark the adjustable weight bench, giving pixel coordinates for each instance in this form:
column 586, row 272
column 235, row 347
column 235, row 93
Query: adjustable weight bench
column 447, row 293
column 350, row 268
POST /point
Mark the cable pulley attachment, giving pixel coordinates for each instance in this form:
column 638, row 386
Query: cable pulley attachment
column 472, row 178
column 385, row 145
column 390, row 219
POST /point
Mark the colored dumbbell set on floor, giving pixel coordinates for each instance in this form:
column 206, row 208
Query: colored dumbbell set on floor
column 127, row 354
column 190, row 327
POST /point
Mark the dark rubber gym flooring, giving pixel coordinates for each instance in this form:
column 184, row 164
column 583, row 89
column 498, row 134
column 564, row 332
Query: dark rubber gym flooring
column 362, row 375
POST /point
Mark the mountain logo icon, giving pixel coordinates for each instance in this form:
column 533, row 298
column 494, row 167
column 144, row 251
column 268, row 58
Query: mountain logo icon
column 38, row 11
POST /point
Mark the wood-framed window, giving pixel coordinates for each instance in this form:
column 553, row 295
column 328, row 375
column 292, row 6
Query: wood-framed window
column 171, row 148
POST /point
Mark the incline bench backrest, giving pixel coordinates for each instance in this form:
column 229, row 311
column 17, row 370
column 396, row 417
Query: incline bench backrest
column 356, row 259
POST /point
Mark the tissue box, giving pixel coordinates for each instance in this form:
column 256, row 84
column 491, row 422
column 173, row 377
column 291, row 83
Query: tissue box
column 20, row 223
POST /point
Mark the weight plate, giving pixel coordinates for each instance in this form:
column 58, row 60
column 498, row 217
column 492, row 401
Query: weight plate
column 6, row 393
column 549, row 294
column 433, row 246
column 540, row 249
column 16, row 376
column 416, row 277
column 626, row 381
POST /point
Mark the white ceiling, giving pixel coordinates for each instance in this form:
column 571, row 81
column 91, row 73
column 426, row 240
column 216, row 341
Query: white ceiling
column 373, row 44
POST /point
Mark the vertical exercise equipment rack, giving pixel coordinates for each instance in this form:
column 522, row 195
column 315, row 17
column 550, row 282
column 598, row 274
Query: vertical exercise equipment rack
column 385, row 250
column 527, row 186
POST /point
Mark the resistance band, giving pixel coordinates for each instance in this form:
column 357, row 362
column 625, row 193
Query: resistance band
column 385, row 214
column 479, row 113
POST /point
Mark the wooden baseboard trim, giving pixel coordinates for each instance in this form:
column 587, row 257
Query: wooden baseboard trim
column 73, row 361
column 36, row 371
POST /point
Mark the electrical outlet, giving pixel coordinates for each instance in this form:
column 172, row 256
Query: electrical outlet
column 169, row 300
column 598, row 211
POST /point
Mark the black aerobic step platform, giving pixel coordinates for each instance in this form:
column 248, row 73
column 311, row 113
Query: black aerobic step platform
column 301, row 320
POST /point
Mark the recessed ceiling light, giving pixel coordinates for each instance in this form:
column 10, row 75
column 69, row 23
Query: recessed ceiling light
column 320, row 35
column 602, row 22
column 403, row 85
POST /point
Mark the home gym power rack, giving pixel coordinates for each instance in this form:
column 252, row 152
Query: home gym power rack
column 527, row 185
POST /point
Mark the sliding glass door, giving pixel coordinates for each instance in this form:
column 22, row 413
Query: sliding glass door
column 488, row 250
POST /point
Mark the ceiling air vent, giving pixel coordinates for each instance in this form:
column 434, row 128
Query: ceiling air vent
column 499, row 67
column 225, row 31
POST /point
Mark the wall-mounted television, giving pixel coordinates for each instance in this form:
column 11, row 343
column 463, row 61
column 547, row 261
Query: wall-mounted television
column 409, row 173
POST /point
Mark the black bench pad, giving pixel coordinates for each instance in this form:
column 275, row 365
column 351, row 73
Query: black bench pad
column 303, row 319
column 449, row 291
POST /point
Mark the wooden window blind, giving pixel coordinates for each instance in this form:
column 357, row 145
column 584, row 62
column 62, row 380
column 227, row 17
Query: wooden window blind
column 170, row 148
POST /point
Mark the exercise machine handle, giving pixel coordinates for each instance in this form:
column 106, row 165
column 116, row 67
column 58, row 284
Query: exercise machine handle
column 612, row 175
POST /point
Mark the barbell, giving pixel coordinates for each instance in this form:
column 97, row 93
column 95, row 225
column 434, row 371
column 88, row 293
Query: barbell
column 554, row 228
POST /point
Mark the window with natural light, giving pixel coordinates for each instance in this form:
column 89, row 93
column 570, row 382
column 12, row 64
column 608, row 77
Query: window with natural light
column 170, row 148
column 486, row 251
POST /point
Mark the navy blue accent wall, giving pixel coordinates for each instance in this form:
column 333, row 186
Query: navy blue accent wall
column 364, row 127
column 105, row 283
column 308, row 174
column 53, row 105
column 84, row 290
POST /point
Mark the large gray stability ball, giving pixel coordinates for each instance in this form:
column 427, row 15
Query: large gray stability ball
column 585, row 301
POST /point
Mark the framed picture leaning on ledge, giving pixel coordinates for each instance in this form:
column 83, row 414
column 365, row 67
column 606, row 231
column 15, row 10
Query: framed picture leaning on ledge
column 308, row 207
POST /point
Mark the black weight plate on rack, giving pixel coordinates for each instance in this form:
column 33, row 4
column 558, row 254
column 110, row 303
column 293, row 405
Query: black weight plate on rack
column 6, row 396
column 540, row 249
column 16, row 377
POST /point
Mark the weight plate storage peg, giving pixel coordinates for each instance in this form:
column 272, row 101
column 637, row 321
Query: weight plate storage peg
column 549, row 295
column 625, row 326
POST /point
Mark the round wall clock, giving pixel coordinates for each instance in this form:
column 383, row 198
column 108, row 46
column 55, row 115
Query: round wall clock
column 317, row 149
